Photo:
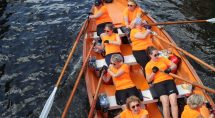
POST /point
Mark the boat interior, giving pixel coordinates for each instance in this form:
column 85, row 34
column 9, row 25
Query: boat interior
column 185, row 70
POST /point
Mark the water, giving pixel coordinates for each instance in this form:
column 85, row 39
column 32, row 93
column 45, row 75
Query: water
column 36, row 36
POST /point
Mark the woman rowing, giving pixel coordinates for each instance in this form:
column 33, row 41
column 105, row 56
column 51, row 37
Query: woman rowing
column 157, row 70
column 192, row 109
column 110, row 42
column 141, row 39
column 120, row 74
column 130, row 13
column 102, row 17
column 133, row 109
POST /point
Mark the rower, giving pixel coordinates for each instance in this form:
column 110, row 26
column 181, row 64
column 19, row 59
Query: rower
column 120, row 74
column 110, row 43
column 141, row 39
column 130, row 13
column 193, row 108
column 133, row 109
column 101, row 16
column 157, row 74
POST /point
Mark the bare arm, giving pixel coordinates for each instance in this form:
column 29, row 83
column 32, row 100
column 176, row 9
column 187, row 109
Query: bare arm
column 126, row 21
column 96, row 15
column 132, row 24
column 200, row 116
column 150, row 77
column 140, row 35
column 118, row 116
column 145, row 116
column 106, row 77
column 211, row 115
column 119, row 73
column 99, row 47
column 102, row 45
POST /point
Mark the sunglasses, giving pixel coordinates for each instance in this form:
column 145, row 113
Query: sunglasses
column 130, row 5
column 137, row 105
column 107, row 31
column 113, row 64
column 156, row 55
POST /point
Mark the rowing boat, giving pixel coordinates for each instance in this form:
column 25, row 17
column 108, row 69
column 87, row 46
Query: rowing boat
column 185, row 69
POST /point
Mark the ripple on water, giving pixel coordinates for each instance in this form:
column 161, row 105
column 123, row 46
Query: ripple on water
column 35, row 45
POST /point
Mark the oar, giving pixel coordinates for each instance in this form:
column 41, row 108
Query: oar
column 195, row 84
column 185, row 52
column 90, row 115
column 76, row 83
column 212, row 20
column 50, row 100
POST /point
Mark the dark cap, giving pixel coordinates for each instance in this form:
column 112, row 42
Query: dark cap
column 98, row 2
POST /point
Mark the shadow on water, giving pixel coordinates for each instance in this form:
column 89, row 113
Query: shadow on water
column 37, row 35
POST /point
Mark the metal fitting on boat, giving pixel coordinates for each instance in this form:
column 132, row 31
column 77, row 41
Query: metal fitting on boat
column 103, row 103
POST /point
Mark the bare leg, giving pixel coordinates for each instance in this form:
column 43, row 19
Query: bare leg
column 165, row 104
column 174, row 105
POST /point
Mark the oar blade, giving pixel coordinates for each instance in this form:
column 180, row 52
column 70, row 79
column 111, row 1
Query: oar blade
column 48, row 104
column 212, row 20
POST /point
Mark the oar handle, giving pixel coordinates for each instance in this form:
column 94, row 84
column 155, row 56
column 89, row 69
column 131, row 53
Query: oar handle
column 72, row 51
column 177, row 22
column 90, row 115
column 76, row 83
column 186, row 53
column 190, row 82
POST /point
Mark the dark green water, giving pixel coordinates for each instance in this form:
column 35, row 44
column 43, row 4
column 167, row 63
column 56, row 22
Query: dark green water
column 36, row 36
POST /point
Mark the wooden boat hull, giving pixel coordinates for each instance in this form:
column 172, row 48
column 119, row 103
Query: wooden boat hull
column 185, row 69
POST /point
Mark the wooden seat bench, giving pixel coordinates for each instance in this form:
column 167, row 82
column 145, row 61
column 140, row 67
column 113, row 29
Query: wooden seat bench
column 147, row 96
column 129, row 59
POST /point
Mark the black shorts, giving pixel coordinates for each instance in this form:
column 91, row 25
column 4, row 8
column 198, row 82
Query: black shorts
column 142, row 58
column 122, row 95
column 166, row 87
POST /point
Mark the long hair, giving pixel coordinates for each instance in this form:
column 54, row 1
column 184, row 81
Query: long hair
column 150, row 49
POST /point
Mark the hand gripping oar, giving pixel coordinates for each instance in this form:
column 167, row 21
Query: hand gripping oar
column 212, row 20
column 185, row 52
column 90, row 115
column 76, row 83
column 50, row 100
column 190, row 82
